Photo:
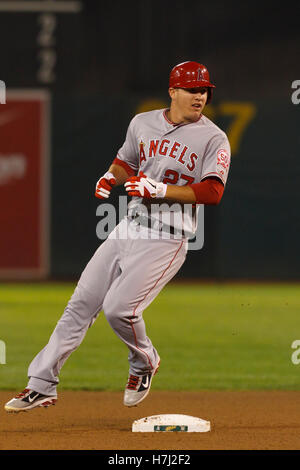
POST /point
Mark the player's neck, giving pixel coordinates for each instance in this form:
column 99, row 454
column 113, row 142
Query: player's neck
column 174, row 116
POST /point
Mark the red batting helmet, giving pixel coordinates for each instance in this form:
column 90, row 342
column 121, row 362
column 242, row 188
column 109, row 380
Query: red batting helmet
column 191, row 75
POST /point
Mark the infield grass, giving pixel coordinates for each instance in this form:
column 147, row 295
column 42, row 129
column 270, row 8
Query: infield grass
column 209, row 336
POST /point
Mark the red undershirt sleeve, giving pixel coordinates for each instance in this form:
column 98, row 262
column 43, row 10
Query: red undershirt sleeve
column 124, row 165
column 209, row 191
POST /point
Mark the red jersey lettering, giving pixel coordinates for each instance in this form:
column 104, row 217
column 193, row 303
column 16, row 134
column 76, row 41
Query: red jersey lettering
column 180, row 159
column 174, row 149
column 142, row 152
column 193, row 158
column 153, row 147
column 163, row 151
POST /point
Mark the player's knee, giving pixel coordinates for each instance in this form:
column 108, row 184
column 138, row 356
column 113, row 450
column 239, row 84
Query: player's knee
column 115, row 309
column 83, row 305
column 110, row 309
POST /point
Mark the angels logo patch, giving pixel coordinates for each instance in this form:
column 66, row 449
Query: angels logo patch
column 223, row 161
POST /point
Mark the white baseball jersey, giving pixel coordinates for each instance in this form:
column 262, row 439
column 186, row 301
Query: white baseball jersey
column 174, row 154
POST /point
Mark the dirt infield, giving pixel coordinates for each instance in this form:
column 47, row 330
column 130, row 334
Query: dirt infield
column 99, row 421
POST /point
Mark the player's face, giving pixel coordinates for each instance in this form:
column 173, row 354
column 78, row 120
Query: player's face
column 187, row 103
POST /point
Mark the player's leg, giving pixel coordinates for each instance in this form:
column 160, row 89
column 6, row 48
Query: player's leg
column 147, row 268
column 79, row 314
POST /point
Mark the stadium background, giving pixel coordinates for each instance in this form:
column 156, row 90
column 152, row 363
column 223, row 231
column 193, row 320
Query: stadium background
column 103, row 63
column 76, row 72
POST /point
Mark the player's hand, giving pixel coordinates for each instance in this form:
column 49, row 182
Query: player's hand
column 104, row 185
column 143, row 186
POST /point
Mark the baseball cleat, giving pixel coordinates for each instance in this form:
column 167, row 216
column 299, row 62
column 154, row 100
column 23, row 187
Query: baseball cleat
column 29, row 399
column 138, row 387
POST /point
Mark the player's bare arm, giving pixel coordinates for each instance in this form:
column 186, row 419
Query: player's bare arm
column 209, row 191
column 119, row 173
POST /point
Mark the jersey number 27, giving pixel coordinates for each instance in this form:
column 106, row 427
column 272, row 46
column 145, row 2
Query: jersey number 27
column 172, row 177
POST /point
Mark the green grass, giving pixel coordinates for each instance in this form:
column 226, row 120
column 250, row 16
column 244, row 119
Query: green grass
column 222, row 336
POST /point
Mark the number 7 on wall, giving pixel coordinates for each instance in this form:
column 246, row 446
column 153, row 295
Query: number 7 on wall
column 242, row 114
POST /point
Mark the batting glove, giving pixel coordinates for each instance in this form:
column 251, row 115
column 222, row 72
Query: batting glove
column 143, row 186
column 104, row 185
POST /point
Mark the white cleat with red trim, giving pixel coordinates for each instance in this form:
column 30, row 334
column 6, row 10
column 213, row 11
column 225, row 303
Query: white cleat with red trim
column 138, row 387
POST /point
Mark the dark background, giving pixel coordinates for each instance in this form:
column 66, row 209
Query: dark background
column 106, row 60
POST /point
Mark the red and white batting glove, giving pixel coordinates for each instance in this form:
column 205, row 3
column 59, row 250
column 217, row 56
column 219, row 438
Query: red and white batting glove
column 104, row 185
column 143, row 186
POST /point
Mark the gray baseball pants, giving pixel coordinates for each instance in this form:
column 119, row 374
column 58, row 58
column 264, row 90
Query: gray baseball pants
column 122, row 278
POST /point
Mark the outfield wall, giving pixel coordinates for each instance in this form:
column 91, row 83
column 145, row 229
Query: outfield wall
column 96, row 66
column 254, row 231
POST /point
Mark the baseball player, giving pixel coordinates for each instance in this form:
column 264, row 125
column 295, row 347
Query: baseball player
column 172, row 159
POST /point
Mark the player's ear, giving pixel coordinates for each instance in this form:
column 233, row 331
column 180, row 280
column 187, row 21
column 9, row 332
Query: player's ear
column 172, row 92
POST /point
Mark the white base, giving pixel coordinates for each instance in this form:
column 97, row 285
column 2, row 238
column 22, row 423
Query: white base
column 173, row 422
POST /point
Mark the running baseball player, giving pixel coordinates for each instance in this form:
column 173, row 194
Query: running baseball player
column 172, row 159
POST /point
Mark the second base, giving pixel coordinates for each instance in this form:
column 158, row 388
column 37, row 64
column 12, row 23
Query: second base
column 171, row 423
